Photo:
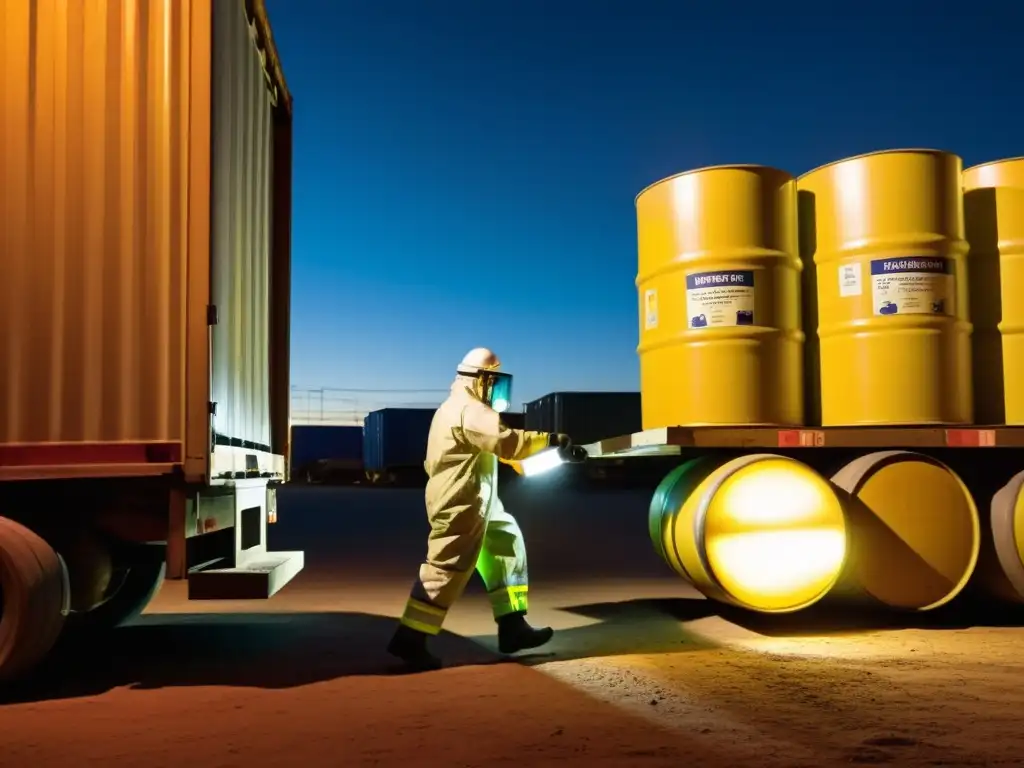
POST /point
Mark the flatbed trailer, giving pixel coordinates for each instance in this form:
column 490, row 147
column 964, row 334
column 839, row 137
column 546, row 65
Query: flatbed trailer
column 932, row 510
column 145, row 228
column 673, row 441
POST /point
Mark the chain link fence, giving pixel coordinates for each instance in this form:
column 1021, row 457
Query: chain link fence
column 339, row 406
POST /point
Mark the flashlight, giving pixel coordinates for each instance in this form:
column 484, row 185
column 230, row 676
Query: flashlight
column 547, row 460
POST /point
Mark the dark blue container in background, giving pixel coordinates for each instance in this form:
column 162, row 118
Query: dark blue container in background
column 395, row 438
column 316, row 442
column 586, row 416
column 513, row 419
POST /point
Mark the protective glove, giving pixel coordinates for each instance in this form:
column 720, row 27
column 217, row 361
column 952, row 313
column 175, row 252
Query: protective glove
column 575, row 454
column 559, row 440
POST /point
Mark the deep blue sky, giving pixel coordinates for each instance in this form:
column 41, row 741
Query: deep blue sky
column 465, row 170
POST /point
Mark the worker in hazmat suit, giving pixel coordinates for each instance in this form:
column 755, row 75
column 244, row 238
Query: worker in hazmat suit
column 469, row 527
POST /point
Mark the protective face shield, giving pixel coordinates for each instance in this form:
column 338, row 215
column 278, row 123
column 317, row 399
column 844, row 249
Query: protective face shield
column 497, row 390
column 492, row 385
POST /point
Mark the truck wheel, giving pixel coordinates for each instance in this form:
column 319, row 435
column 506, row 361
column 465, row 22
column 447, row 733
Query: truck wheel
column 34, row 594
column 134, row 588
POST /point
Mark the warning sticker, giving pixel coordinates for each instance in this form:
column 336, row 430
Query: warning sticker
column 849, row 280
column 716, row 299
column 650, row 310
column 917, row 285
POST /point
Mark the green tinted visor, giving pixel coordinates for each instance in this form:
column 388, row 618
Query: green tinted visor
column 500, row 391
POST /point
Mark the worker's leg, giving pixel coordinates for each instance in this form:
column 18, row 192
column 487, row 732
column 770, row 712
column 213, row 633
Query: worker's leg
column 502, row 566
column 452, row 550
column 442, row 579
column 502, row 562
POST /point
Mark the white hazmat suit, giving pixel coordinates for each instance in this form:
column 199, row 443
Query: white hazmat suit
column 469, row 527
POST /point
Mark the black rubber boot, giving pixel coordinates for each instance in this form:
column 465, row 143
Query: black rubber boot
column 411, row 647
column 515, row 633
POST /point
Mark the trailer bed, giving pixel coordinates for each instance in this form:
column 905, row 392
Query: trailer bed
column 672, row 441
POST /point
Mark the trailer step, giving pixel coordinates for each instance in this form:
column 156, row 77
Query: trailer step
column 256, row 580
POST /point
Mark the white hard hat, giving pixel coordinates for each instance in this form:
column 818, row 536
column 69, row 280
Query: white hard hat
column 494, row 387
column 479, row 359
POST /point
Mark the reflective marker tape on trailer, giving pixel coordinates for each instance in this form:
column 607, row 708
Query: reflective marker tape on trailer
column 801, row 438
column 971, row 438
column 674, row 440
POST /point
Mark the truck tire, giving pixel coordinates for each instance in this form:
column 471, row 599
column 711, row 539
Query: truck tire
column 139, row 585
column 34, row 599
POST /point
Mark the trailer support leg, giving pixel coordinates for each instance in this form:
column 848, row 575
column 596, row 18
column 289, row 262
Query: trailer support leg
column 177, row 555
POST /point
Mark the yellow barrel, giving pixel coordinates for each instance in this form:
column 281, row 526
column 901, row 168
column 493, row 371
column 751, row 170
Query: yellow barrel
column 1005, row 576
column 885, row 235
column 994, row 221
column 998, row 173
column 762, row 532
column 915, row 532
column 719, row 285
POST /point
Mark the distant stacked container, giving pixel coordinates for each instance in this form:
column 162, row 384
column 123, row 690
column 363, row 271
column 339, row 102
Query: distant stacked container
column 317, row 442
column 994, row 220
column 514, row 419
column 884, row 233
column 585, row 416
column 721, row 341
column 395, row 438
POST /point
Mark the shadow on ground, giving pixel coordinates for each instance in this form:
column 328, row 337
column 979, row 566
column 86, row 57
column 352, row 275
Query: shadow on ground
column 659, row 625
column 279, row 650
column 845, row 619
column 623, row 628
column 286, row 650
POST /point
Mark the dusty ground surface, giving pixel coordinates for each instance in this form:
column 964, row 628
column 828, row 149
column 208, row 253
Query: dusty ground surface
column 643, row 672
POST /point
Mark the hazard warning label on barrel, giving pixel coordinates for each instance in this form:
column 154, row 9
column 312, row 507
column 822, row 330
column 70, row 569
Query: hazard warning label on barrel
column 722, row 298
column 919, row 285
column 650, row 310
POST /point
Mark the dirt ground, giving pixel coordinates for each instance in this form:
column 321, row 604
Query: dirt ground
column 642, row 672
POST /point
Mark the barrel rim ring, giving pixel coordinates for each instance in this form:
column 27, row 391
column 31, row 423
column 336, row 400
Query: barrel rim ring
column 722, row 167
column 884, row 459
column 656, row 507
column 699, row 529
column 1003, row 510
column 992, row 163
column 899, row 151
column 678, row 474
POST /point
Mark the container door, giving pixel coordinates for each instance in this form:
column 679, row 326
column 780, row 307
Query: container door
column 241, row 234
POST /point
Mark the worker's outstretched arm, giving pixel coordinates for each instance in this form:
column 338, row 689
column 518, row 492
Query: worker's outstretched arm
column 482, row 428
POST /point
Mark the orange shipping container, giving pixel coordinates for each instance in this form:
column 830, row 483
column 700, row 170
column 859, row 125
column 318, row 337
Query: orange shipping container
column 145, row 197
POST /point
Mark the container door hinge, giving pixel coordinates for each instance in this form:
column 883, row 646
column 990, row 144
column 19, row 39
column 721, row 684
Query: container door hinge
column 211, row 314
column 212, row 407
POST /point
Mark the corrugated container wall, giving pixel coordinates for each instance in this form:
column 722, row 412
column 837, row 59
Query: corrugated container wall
column 314, row 442
column 395, row 437
column 120, row 122
column 586, row 416
column 242, row 180
column 94, row 172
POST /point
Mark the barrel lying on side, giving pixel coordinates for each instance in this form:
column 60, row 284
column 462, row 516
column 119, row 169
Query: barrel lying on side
column 762, row 532
column 915, row 531
column 1004, row 566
